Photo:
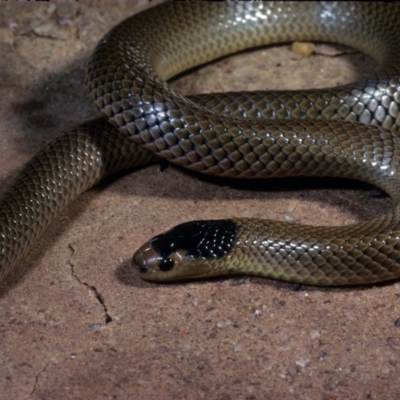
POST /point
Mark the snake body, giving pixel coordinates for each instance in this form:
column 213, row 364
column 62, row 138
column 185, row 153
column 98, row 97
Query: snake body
column 348, row 131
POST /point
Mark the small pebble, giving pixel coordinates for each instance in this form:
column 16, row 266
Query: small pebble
column 304, row 49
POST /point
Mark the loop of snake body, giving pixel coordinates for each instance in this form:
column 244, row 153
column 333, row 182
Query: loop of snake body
column 349, row 131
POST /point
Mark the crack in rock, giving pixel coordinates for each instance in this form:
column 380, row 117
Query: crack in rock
column 38, row 377
column 93, row 289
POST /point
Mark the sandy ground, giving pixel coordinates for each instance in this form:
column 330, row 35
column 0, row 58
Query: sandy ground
column 76, row 323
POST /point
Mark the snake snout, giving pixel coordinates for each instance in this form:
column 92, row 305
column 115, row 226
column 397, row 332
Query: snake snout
column 146, row 260
column 154, row 263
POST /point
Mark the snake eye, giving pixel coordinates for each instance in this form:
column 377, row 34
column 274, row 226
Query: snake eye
column 166, row 264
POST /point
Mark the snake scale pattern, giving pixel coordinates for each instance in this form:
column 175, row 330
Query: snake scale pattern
column 349, row 131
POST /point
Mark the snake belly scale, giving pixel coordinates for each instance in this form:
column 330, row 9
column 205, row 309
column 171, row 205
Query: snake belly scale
column 349, row 131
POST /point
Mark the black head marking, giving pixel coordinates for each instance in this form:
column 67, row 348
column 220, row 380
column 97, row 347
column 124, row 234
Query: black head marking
column 208, row 239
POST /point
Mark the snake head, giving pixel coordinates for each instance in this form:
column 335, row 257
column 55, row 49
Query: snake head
column 187, row 251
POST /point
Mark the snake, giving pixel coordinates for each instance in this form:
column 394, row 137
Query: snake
column 350, row 131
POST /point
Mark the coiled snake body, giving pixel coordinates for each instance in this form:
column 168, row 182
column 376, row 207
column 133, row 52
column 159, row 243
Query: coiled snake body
column 349, row 131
